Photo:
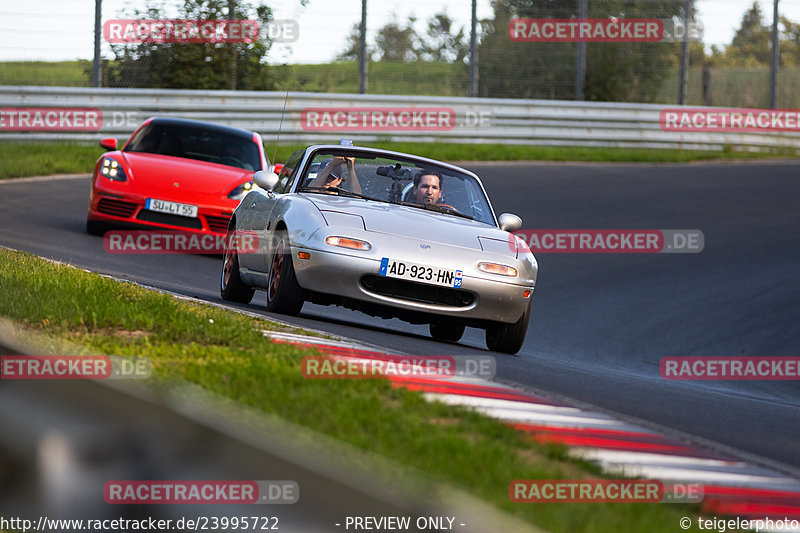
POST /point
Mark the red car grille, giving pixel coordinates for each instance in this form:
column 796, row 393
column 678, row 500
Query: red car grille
column 116, row 208
column 218, row 224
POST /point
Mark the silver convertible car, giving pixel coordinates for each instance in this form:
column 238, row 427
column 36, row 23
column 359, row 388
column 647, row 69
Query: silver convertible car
column 387, row 234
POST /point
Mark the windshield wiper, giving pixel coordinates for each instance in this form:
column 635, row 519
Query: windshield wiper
column 438, row 209
column 339, row 191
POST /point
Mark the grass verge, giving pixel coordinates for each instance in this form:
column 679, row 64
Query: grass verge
column 41, row 73
column 226, row 353
column 41, row 159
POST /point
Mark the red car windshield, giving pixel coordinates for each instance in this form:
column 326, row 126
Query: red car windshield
column 196, row 142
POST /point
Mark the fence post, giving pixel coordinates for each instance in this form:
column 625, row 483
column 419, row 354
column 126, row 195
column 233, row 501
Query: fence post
column 98, row 10
column 580, row 62
column 683, row 82
column 363, row 60
column 773, row 78
column 473, row 52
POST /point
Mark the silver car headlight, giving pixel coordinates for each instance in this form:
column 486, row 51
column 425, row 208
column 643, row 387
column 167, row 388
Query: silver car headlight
column 496, row 268
column 112, row 170
column 347, row 242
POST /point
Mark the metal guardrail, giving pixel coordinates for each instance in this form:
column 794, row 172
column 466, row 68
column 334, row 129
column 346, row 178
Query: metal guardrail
column 476, row 120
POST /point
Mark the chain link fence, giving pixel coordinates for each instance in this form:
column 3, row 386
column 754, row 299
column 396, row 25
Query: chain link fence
column 525, row 49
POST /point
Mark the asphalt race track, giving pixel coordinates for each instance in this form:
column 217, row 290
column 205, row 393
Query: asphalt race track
column 601, row 322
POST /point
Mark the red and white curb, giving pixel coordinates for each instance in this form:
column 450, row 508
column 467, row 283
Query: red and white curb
column 731, row 486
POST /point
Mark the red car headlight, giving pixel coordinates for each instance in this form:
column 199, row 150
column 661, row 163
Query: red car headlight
column 112, row 170
column 241, row 190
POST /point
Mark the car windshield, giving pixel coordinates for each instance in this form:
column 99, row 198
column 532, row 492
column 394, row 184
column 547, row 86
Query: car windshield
column 196, row 142
column 398, row 181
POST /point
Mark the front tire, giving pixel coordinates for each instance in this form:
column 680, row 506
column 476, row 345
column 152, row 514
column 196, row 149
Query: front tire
column 284, row 294
column 231, row 286
column 508, row 338
column 447, row 330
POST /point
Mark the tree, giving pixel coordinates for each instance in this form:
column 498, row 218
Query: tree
column 524, row 70
column 398, row 44
column 614, row 71
column 443, row 43
column 789, row 42
column 751, row 43
column 353, row 45
column 196, row 65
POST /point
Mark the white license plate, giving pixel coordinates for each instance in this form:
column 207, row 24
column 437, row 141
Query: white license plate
column 392, row 268
column 173, row 208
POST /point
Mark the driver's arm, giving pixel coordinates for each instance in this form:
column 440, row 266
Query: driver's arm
column 322, row 175
column 351, row 170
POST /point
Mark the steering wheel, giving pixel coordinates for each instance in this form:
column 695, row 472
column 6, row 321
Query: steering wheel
column 230, row 160
column 448, row 206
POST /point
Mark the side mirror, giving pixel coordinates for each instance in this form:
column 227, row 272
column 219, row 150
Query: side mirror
column 509, row 222
column 265, row 179
column 109, row 143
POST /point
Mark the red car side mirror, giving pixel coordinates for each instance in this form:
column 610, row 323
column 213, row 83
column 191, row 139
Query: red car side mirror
column 109, row 143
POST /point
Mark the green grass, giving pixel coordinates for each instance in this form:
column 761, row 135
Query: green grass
column 52, row 73
column 423, row 78
column 735, row 87
column 226, row 353
column 730, row 86
column 418, row 78
column 40, row 159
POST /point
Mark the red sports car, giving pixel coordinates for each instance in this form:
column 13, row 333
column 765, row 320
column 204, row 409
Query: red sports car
column 175, row 174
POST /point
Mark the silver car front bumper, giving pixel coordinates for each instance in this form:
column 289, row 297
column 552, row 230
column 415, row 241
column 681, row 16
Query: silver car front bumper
column 341, row 273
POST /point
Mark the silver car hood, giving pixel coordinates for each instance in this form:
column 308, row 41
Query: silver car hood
column 413, row 222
